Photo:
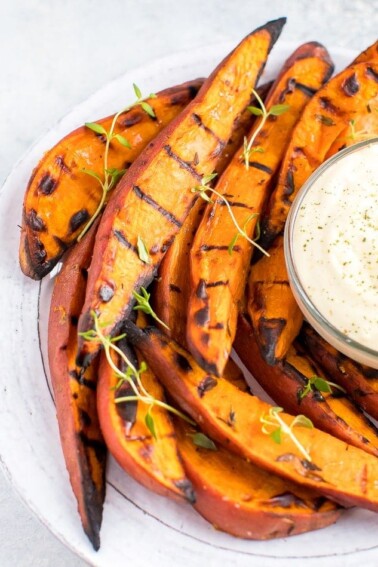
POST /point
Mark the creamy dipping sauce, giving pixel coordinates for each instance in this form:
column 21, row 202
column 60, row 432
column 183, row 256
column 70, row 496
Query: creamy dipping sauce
column 335, row 245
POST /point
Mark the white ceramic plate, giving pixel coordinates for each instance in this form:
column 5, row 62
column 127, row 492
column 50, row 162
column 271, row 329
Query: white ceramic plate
column 138, row 527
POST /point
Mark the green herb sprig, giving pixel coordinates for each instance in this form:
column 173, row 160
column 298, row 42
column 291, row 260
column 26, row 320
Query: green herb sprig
column 275, row 427
column 143, row 304
column 131, row 375
column 112, row 175
column 317, row 383
column 275, row 110
column 203, row 441
column 202, row 190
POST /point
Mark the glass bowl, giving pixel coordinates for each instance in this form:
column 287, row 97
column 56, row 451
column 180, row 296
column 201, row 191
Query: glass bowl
column 315, row 314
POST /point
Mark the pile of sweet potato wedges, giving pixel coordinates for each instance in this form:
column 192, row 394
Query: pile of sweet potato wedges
column 170, row 226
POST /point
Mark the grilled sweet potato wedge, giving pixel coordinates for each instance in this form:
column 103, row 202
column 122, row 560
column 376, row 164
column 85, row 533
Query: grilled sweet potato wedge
column 348, row 95
column 359, row 381
column 271, row 306
column 219, row 273
column 154, row 462
column 155, row 195
column 75, row 391
column 332, row 412
column 61, row 198
column 336, row 470
column 370, row 54
column 243, row 500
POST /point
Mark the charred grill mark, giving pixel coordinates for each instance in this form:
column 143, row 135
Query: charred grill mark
column 59, row 160
column 210, row 247
column 39, row 254
column 106, row 293
column 98, row 446
column 131, row 119
column 351, row 86
column 217, row 283
column 175, row 288
column 261, row 167
column 78, row 219
column 308, row 91
column 280, row 282
column 185, row 486
column 198, row 120
column 79, row 377
column 85, row 419
column 47, row 185
column 62, row 245
column 289, row 187
column 372, row 74
column 123, row 240
column 202, row 316
column 205, row 339
column 182, row 163
column 167, row 244
column 201, row 290
column 182, row 362
column 35, row 222
column 217, row 326
column 233, row 204
column 287, row 500
column 290, row 86
column 318, row 503
column 327, row 104
column 208, row 383
column 150, row 201
column 269, row 333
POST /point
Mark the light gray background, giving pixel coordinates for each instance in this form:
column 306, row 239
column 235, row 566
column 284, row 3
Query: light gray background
column 54, row 53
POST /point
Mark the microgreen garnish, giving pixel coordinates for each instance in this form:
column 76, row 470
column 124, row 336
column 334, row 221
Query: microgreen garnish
column 142, row 251
column 143, row 304
column 275, row 427
column 320, row 384
column 201, row 440
column 131, row 375
column 111, row 176
column 357, row 134
column 202, row 190
column 264, row 114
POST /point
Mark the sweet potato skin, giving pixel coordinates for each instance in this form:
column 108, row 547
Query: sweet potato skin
column 61, row 198
column 359, row 381
column 154, row 463
column 154, row 196
column 350, row 93
column 75, row 391
column 218, row 277
column 332, row 413
column 271, row 306
column 337, row 470
column 239, row 498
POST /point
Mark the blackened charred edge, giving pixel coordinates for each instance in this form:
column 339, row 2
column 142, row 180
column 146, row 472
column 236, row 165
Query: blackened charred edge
column 318, row 503
column 183, row 362
column 182, row 163
column 201, row 290
column 106, row 293
column 84, row 273
column 208, row 383
column 202, row 316
column 80, row 378
column 185, row 486
column 198, row 120
column 97, row 445
column 372, row 74
column 78, row 219
column 222, row 203
column 274, row 28
column 290, row 86
column 287, row 500
column 351, row 85
column 62, row 245
column 174, row 288
column 47, row 185
column 150, row 201
column 269, row 331
column 123, row 240
column 85, row 419
column 210, row 247
column 59, row 160
column 261, row 167
column 289, row 187
column 35, row 222
column 217, row 283
column 308, row 91
column 166, row 245
column 74, row 320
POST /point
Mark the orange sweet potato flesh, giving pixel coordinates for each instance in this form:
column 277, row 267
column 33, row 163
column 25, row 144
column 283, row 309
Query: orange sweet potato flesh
column 359, row 381
column 271, row 306
column 348, row 95
column 60, row 198
column 333, row 413
column 370, row 54
column 155, row 463
column 245, row 501
column 336, row 470
column 75, row 391
column 218, row 277
column 155, row 195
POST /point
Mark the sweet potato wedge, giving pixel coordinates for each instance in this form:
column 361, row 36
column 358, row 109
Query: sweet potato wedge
column 349, row 94
column 75, row 391
column 155, row 195
column 218, row 274
column 370, row 54
column 271, row 306
column 155, row 463
column 61, row 198
column 336, row 470
column 285, row 381
column 359, row 381
column 239, row 498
